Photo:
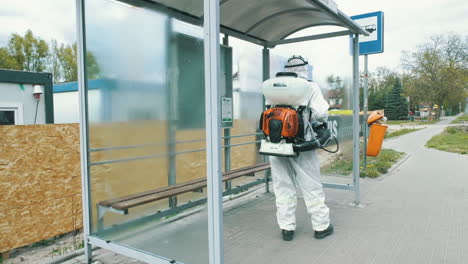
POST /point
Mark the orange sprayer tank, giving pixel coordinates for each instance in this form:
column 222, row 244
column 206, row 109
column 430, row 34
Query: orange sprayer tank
column 289, row 118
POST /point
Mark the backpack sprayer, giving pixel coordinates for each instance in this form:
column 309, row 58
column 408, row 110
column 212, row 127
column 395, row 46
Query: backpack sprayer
column 286, row 120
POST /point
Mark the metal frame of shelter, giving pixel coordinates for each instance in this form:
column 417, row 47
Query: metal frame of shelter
column 210, row 18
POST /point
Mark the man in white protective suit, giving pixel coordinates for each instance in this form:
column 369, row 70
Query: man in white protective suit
column 290, row 173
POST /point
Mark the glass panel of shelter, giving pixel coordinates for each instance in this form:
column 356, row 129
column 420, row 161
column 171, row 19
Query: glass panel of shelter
column 147, row 130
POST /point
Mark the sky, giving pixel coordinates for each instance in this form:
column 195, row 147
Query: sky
column 407, row 24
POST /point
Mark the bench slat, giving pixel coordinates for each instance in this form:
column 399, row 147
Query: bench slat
column 130, row 201
column 242, row 173
column 145, row 193
column 157, row 196
column 110, row 202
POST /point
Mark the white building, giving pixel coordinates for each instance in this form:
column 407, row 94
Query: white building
column 25, row 98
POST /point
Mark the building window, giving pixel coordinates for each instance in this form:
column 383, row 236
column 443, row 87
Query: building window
column 11, row 114
column 7, row 117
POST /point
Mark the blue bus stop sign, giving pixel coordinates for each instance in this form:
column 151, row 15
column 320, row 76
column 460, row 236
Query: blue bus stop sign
column 374, row 23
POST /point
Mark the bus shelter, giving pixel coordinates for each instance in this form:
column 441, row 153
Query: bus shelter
column 167, row 145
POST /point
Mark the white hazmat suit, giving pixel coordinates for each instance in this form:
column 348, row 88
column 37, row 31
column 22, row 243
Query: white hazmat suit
column 302, row 172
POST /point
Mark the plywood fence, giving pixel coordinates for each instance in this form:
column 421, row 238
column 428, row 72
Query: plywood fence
column 40, row 184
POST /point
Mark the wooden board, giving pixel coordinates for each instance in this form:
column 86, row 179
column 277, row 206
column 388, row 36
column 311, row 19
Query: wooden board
column 40, row 183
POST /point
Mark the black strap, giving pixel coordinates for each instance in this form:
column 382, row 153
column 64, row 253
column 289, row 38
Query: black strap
column 296, row 65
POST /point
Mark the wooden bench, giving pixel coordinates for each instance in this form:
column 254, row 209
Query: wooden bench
column 122, row 204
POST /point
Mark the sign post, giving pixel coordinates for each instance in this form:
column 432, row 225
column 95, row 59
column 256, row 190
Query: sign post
column 372, row 44
column 366, row 107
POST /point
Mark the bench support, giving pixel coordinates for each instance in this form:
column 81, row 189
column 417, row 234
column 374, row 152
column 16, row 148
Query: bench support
column 102, row 210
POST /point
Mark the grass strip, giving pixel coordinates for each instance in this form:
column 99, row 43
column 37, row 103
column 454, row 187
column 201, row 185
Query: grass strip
column 461, row 119
column 453, row 139
column 376, row 166
column 401, row 132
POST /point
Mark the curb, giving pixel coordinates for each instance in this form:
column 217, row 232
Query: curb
column 394, row 167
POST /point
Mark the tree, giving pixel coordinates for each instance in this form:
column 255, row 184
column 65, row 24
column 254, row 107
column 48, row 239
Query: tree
column 54, row 62
column 396, row 106
column 7, row 61
column 380, row 85
column 25, row 53
column 67, row 57
column 437, row 71
column 30, row 53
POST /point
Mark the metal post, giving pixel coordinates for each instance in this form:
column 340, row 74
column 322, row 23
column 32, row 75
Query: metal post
column 84, row 143
column 356, row 118
column 171, row 111
column 266, row 65
column 365, row 101
column 213, row 126
column 266, row 76
column 227, row 133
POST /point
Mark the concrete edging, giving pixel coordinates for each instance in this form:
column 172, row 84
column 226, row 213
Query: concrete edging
column 394, row 167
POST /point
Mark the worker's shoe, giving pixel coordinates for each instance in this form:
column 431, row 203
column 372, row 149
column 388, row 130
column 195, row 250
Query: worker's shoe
column 287, row 234
column 324, row 233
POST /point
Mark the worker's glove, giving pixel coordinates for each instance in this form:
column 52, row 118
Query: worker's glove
column 323, row 133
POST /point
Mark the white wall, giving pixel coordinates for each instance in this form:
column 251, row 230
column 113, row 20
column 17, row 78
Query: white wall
column 13, row 94
column 66, row 107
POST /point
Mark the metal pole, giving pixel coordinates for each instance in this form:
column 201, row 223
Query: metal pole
column 266, row 65
column 227, row 133
column 365, row 101
column 171, row 111
column 213, row 127
column 356, row 118
column 266, row 76
column 84, row 143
